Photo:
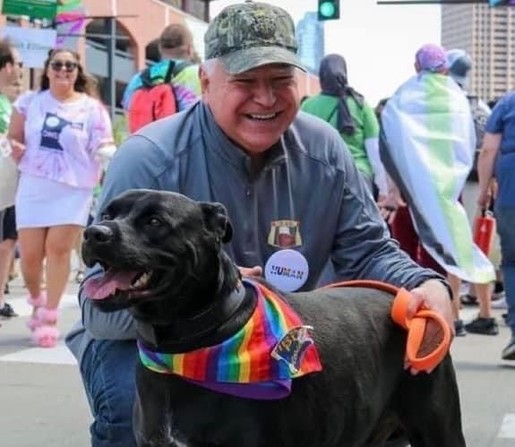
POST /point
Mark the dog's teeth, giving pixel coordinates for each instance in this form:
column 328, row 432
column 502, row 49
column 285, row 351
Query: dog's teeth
column 142, row 281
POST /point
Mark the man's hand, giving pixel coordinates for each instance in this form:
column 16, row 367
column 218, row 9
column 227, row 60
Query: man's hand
column 390, row 203
column 485, row 195
column 432, row 295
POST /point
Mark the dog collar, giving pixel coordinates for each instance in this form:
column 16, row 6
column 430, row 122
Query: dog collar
column 208, row 320
column 259, row 361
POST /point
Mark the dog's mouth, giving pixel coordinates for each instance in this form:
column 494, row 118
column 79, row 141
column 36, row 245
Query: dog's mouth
column 116, row 282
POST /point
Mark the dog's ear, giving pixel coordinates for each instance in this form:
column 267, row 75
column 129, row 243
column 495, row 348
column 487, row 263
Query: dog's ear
column 217, row 220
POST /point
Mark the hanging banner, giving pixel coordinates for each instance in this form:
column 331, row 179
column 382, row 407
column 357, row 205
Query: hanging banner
column 67, row 5
column 32, row 43
column 38, row 9
column 69, row 26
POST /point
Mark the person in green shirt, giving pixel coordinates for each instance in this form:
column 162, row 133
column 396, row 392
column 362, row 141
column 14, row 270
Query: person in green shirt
column 10, row 86
column 347, row 111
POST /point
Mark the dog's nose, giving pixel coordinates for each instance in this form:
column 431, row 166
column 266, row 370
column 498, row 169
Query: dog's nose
column 98, row 233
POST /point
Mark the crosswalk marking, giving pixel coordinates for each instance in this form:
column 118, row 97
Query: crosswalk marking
column 60, row 355
column 507, row 430
column 24, row 309
column 468, row 314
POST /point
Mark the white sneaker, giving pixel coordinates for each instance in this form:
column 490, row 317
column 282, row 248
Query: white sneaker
column 499, row 304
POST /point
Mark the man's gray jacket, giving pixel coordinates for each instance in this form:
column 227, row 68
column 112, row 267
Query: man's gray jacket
column 309, row 182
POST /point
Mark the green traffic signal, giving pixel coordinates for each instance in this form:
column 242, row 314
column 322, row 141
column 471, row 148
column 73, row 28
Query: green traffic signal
column 328, row 9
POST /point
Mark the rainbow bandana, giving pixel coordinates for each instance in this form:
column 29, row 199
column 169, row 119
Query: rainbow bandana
column 258, row 362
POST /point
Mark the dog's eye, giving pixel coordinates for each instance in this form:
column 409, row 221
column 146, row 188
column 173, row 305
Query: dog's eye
column 105, row 216
column 154, row 221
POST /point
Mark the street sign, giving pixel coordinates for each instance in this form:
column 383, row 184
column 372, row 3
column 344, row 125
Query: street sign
column 38, row 9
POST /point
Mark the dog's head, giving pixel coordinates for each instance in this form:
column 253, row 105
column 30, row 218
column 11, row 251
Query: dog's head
column 153, row 245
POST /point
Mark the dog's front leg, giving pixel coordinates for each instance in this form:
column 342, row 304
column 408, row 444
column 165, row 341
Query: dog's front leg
column 152, row 416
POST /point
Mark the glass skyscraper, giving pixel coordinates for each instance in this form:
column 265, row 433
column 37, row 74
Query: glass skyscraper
column 310, row 38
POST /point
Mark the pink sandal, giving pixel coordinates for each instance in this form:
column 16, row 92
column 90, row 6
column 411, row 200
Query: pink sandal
column 46, row 334
column 37, row 302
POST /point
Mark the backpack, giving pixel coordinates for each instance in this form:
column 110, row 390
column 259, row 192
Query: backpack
column 155, row 98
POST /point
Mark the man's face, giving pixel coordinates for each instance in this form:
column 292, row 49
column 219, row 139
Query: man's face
column 16, row 73
column 253, row 108
column 11, row 73
column 13, row 90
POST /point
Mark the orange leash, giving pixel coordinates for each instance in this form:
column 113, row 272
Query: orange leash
column 415, row 326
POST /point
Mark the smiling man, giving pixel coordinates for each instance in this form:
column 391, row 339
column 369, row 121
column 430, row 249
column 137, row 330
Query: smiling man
column 277, row 171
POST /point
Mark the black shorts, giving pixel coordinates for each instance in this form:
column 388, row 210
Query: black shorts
column 8, row 224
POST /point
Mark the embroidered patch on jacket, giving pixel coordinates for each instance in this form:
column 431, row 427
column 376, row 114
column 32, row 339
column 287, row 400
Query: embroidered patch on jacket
column 272, row 348
column 284, row 234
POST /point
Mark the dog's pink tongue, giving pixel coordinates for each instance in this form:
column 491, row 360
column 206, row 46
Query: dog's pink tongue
column 104, row 286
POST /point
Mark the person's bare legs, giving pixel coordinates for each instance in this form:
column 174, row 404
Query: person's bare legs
column 60, row 242
column 77, row 248
column 32, row 253
column 12, row 268
column 455, row 284
column 6, row 255
column 483, row 294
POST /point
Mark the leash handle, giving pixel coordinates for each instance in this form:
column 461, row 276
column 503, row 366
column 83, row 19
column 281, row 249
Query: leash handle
column 415, row 326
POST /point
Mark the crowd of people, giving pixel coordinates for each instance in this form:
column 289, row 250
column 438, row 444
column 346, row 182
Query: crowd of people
column 244, row 139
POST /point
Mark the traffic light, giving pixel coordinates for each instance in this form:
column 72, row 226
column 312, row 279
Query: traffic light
column 494, row 3
column 328, row 9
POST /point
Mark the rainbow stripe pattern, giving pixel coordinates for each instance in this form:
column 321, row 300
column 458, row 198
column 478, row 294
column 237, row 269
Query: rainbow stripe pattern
column 273, row 345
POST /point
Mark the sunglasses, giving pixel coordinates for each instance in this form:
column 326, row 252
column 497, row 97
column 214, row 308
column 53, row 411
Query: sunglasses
column 68, row 66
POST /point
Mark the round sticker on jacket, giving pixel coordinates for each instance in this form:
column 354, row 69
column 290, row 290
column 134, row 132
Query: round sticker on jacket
column 287, row 270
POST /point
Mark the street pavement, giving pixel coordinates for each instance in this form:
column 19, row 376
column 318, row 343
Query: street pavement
column 42, row 403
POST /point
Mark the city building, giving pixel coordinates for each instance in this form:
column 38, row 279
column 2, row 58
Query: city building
column 488, row 35
column 310, row 38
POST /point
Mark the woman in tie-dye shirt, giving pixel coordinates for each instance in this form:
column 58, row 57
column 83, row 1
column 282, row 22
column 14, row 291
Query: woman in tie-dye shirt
column 58, row 134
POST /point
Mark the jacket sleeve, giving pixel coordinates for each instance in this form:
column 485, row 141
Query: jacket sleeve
column 137, row 164
column 363, row 248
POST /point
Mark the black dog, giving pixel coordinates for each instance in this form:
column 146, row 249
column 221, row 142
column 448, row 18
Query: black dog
column 163, row 258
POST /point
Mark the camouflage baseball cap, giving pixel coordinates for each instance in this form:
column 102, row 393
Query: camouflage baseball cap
column 249, row 35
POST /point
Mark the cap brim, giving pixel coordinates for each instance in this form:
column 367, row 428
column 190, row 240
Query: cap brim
column 249, row 58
